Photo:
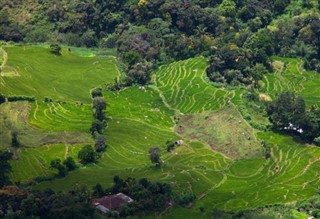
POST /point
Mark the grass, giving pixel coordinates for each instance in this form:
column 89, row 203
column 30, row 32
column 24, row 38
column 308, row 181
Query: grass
column 183, row 87
column 138, row 120
column 36, row 161
column 141, row 105
column 224, row 131
column 291, row 76
column 61, row 117
column 15, row 117
column 67, row 77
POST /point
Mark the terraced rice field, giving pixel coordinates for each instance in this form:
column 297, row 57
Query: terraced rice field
column 290, row 75
column 66, row 78
column 61, row 117
column 139, row 119
column 184, row 88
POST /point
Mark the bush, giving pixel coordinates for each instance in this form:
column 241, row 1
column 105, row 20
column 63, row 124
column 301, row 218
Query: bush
column 96, row 92
column 70, row 164
column 21, row 98
column 100, row 143
column 87, row 155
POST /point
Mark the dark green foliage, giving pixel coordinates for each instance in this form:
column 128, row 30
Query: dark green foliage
column 87, row 155
column 139, row 73
column 14, row 139
column 100, row 143
column 147, row 196
column 70, row 164
column 5, row 167
column 96, row 92
column 184, row 199
column 170, row 145
column 155, row 155
column 55, row 49
column 131, row 57
column 288, row 112
column 287, row 108
column 2, row 98
column 56, row 164
column 98, row 191
column 99, row 104
column 97, row 126
column 20, row 98
column 16, row 203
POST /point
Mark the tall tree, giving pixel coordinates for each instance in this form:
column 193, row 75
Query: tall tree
column 99, row 104
column 155, row 155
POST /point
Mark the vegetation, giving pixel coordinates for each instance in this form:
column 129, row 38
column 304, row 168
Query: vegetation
column 5, row 157
column 221, row 96
column 87, row 155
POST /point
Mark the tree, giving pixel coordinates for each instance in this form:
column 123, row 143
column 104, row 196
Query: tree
column 100, row 143
column 131, row 57
column 56, row 164
column 170, row 145
column 87, row 155
column 14, row 139
column 154, row 155
column 287, row 108
column 5, row 167
column 99, row 104
column 96, row 92
column 97, row 126
column 70, row 164
column 98, row 191
column 55, row 49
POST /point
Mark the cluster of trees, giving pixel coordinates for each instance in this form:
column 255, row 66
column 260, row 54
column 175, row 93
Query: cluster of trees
column 148, row 196
column 17, row 203
column 99, row 123
column 99, row 105
column 289, row 113
column 63, row 168
column 234, row 34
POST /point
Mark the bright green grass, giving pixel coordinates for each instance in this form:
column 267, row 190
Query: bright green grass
column 36, row 161
column 145, row 106
column 183, row 87
column 293, row 77
column 291, row 174
column 138, row 120
column 67, row 77
column 61, row 117
column 14, row 117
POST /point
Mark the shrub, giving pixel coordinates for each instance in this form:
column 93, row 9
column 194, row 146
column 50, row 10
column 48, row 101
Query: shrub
column 87, row 155
column 21, row 98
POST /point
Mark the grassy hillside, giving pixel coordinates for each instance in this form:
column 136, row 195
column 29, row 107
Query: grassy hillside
column 290, row 75
column 66, row 78
column 181, row 105
column 184, row 88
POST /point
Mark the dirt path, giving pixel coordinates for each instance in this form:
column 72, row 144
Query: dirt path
column 35, row 111
column 5, row 58
column 67, row 150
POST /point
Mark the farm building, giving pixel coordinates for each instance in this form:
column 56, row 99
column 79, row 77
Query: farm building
column 111, row 202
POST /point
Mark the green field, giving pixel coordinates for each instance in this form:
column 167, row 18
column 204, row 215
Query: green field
column 221, row 159
column 66, row 78
column 290, row 75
